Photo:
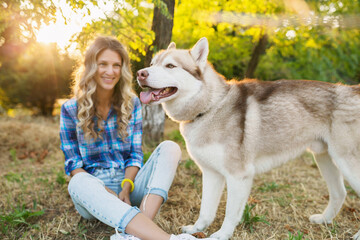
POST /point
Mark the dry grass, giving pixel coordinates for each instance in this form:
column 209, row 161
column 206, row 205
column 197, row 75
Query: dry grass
column 31, row 171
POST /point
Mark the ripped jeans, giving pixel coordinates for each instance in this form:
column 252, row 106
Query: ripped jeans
column 92, row 200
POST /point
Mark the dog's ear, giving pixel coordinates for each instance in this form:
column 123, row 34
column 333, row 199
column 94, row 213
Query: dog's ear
column 200, row 52
column 172, row 45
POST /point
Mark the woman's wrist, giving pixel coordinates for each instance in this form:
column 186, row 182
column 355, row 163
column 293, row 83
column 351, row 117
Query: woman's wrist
column 127, row 185
column 76, row 171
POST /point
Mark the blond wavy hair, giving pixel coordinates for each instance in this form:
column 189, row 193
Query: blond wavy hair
column 84, row 89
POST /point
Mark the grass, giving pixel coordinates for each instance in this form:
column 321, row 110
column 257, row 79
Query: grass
column 19, row 216
column 34, row 202
column 298, row 236
column 249, row 220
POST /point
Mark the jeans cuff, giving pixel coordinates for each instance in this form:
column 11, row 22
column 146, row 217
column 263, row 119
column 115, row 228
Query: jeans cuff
column 158, row 191
column 128, row 216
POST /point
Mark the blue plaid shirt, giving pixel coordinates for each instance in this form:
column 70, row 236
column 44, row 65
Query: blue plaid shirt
column 111, row 152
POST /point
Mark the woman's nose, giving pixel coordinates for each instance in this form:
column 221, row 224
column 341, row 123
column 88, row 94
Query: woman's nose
column 109, row 69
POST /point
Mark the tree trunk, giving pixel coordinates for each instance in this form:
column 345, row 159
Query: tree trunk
column 162, row 27
column 154, row 116
column 153, row 124
column 255, row 56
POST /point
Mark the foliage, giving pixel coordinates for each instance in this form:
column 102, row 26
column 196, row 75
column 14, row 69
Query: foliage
column 298, row 236
column 272, row 187
column 60, row 178
column 19, row 216
column 176, row 136
column 147, row 156
column 249, row 220
column 37, row 78
column 19, row 21
column 27, row 73
column 231, row 41
column 269, row 187
column 189, row 163
column 128, row 22
column 320, row 50
column 325, row 47
column 316, row 53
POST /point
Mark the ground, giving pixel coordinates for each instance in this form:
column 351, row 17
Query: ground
column 34, row 203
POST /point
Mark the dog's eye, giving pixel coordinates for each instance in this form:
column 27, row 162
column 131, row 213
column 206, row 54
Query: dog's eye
column 169, row 65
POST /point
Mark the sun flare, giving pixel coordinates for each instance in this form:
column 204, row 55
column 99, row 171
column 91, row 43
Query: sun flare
column 61, row 31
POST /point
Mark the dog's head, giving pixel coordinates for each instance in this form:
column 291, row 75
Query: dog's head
column 173, row 73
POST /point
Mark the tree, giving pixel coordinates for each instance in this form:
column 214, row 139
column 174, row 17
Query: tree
column 162, row 25
column 19, row 20
column 39, row 77
column 255, row 56
column 325, row 48
column 154, row 116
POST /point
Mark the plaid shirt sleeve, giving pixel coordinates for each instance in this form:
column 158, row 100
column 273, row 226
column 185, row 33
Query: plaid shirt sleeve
column 68, row 137
column 136, row 153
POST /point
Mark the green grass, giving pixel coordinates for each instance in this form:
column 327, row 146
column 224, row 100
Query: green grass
column 14, row 177
column 272, row 186
column 249, row 220
column 13, row 154
column 298, row 236
column 351, row 192
column 268, row 187
column 333, row 229
column 147, row 156
column 60, row 178
column 189, row 164
column 20, row 215
column 176, row 137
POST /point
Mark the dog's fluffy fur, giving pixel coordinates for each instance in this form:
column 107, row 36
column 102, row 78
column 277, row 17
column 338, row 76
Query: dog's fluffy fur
column 234, row 130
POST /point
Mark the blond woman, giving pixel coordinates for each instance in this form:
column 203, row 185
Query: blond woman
column 100, row 131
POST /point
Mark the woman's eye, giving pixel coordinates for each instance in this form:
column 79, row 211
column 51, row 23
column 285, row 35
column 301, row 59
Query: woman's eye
column 169, row 65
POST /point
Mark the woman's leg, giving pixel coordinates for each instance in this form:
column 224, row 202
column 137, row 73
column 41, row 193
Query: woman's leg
column 154, row 179
column 92, row 200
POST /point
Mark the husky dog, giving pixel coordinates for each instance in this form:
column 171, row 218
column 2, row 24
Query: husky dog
column 234, row 130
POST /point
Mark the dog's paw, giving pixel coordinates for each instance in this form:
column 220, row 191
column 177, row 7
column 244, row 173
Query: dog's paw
column 220, row 235
column 319, row 219
column 356, row 236
column 191, row 229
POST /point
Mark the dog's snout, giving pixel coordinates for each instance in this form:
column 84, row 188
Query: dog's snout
column 142, row 74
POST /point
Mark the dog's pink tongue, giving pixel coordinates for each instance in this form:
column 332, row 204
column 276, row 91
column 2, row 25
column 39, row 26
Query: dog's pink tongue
column 146, row 97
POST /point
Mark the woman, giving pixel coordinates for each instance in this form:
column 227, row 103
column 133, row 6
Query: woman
column 100, row 131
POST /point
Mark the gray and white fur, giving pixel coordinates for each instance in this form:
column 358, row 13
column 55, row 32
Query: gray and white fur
column 236, row 129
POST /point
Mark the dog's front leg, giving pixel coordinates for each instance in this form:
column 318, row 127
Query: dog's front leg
column 213, row 185
column 238, row 191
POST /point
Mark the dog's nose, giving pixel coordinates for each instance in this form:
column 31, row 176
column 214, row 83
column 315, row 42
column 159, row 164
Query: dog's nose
column 142, row 74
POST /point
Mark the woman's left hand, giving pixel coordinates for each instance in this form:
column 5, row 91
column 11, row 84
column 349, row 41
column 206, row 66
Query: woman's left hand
column 130, row 173
column 124, row 196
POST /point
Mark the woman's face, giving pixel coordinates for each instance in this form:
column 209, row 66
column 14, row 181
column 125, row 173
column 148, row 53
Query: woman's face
column 109, row 69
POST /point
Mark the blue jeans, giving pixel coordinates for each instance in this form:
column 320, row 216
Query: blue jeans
column 92, row 200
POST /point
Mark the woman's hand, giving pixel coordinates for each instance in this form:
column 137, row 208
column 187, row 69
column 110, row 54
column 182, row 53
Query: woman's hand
column 130, row 173
column 124, row 196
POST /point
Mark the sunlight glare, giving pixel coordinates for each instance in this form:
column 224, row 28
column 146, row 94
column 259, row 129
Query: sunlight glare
column 60, row 32
column 57, row 33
